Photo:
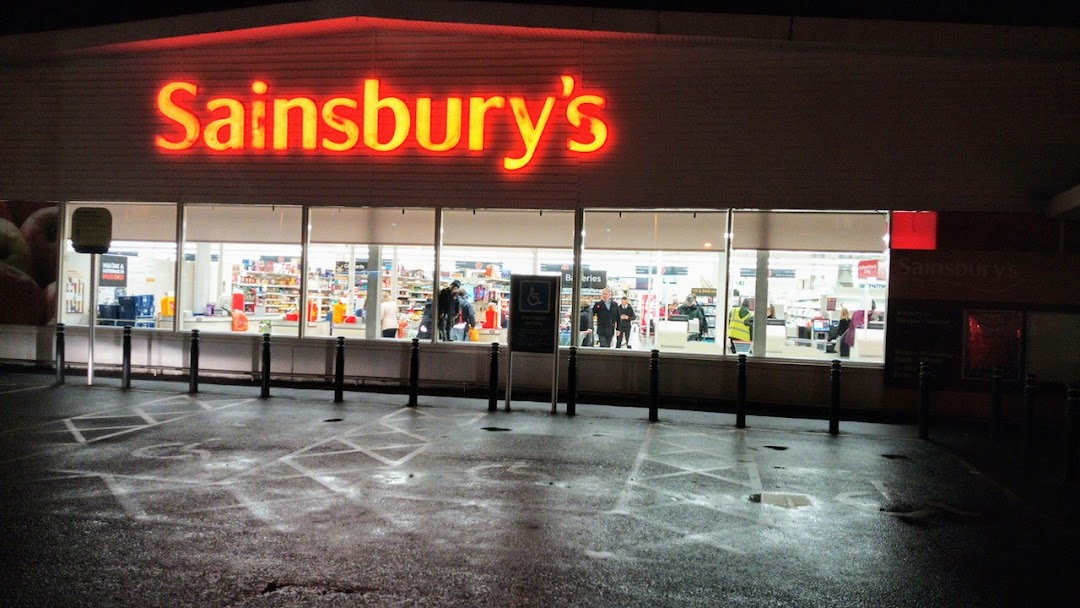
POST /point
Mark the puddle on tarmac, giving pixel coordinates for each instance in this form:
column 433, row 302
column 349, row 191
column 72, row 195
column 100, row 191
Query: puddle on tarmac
column 778, row 448
column 780, row 499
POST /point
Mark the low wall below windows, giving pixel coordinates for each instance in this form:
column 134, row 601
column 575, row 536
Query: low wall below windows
column 604, row 376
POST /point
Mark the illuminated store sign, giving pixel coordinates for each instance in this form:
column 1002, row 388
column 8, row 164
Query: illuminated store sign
column 374, row 122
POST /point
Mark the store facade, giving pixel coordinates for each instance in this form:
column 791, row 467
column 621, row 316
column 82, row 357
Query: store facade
column 317, row 179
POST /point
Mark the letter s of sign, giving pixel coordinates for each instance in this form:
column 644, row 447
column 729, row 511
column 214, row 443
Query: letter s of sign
column 574, row 114
column 185, row 119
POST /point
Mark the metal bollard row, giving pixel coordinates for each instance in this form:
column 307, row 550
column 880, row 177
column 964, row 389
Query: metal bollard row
column 339, row 370
column 193, row 379
column 125, row 369
column 1072, row 440
column 571, row 383
column 654, row 386
column 996, row 408
column 924, row 400
column 59, row 353
column 834, row 401
column 740, row 393
column 265, row 366
column 414, row 372
column 493, row 379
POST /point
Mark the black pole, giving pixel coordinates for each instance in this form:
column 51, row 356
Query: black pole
column 1029, row 415
column 1072, row 446
column 996, row 377
column 339, row 370
column 125, row 369
column 493, row 379
column 740, row 393
column 924, row 400
column 193, row 381
column 654, row 386
column 834, row 403
column 414, row 371
column 571, row 383
column 265, row 366
column 59, row 353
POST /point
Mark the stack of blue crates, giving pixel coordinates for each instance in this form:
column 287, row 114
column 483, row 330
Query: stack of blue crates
column 138, row 309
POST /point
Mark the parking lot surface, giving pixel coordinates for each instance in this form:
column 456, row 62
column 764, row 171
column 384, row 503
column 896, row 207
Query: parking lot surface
column 155, row 497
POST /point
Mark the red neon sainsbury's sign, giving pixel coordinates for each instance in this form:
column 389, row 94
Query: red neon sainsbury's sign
column 378, row 123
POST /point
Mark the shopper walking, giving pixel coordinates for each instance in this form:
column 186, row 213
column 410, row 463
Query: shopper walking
column 606, row 315
column 625, row 323
column 585, row 329
column 448, row 309
column 468, row 312
column 388, row 315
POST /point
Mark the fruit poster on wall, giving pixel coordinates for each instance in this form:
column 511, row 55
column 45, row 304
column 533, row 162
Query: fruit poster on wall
column 29, row 258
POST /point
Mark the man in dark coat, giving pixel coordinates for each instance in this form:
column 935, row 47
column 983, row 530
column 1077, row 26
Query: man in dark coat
column 448, row 309
column 625, row 325
column 607, row 316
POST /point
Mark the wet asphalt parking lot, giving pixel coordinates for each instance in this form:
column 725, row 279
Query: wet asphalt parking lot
column 154, row 497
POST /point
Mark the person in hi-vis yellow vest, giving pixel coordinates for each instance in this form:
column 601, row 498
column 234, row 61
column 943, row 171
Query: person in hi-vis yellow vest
column 740, row 320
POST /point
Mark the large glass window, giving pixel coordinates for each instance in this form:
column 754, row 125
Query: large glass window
column 481, row 250
column 241, row 269
column 667, row 266
column 134, row 279
column 808, row 285
column 370, row 272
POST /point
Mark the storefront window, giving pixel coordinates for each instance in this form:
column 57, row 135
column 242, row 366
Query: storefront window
column 370, row 272
column 481, row 250
column 241, row 269
column 668, row 265
column 808, row 285
column 134, row 279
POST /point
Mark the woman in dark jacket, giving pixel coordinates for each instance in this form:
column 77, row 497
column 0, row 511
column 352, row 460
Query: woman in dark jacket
column 585, row 332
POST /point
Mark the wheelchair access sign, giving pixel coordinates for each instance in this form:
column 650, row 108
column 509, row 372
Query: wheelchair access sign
column 534, row 313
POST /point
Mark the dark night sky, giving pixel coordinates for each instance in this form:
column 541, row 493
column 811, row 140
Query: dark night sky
column 36, row 15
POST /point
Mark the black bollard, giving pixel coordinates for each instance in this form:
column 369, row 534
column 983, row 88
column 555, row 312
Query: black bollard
column 414, row 372
column 740, row 393
column 1072, row 442
column 924, row 400
column 571, row 383
column 339, row 370
column 59, row 353
column 265, row 366
column 834, row 402
column 193, row 381
column 1029, row 416
column 125, row 369
column 493, row 379
column 996, row 376
column 654, row 386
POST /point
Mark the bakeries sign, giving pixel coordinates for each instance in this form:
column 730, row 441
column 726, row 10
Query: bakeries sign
column 511, row 128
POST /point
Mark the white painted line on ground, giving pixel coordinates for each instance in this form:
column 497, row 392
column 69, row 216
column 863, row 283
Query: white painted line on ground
column 20, row 390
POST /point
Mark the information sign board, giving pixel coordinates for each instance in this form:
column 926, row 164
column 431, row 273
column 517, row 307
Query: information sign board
column 534, row 313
